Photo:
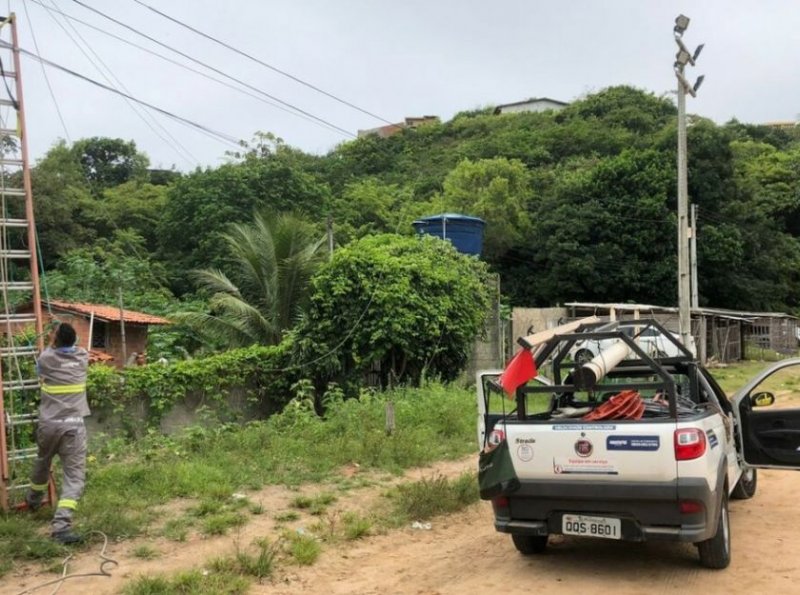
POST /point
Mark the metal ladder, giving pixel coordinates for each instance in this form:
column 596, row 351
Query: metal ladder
column 19, row 276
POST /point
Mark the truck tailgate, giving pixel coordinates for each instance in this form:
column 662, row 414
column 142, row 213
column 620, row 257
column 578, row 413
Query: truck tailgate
column 603, row 451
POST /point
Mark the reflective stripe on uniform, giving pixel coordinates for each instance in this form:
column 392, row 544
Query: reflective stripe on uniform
column 66, row 503
column 38, row 487
column 64, row 389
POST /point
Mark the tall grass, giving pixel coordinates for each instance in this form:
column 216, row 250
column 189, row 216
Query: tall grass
column 127, row 481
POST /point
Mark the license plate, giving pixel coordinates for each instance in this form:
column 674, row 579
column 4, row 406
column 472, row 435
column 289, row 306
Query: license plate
column 591, row 526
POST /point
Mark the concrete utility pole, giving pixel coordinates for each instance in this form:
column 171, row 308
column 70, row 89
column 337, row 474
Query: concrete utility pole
column 682, row 58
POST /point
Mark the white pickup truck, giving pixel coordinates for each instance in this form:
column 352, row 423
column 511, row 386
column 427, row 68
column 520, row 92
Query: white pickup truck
column 634, row 448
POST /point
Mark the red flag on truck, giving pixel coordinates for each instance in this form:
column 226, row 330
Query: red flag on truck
column 519, row 370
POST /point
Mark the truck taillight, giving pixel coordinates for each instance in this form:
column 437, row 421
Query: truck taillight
column 496, row 437
column 690, row 443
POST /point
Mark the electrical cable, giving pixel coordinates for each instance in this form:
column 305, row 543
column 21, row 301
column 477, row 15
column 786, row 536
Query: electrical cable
column 262, row 63
column 180, row 64
column 105, row 561
column 44, row 73
column 220, row 135
column 176, row 146
column 212, row 68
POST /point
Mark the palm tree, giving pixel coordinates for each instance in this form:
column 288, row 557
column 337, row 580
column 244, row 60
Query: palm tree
column 273, row 260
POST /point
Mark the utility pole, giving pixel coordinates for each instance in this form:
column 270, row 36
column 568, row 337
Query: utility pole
column 693, row 245
column 682, row 58
column 329, row 231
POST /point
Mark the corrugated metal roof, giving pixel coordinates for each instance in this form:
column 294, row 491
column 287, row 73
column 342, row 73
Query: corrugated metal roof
column 108, row 313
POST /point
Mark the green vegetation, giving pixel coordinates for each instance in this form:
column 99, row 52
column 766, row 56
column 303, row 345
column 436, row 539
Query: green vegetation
column 407, row 307
column 193, row 582
column 272, row 262
column 432, row 496
column 145, row 552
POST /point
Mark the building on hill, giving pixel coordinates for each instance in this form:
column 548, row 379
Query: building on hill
column 391, row 129
column 782, row 125
column 99, row 328
column 534, row 104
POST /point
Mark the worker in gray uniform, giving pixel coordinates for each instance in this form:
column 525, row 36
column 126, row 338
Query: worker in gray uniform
column 62, row 369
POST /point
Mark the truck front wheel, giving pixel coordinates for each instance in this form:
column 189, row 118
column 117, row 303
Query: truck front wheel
column 530, row 544
column 716, row 552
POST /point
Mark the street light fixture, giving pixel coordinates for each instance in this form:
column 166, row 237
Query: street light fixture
column 681, row 24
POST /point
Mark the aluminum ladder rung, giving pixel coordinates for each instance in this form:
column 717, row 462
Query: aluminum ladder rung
column 18, row 486
column 10, row 222
column 8, row 102
column 17, row 285
column 28, row 350
column 21, row 419
column 9, row 74
column 15, row 253
column 24, row 384
column 18, row 318
column 9, row 132
column 14, row 162
column 23, row 453
column 15, row 192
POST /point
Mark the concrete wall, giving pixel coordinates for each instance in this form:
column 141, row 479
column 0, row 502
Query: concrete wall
column 526, row 321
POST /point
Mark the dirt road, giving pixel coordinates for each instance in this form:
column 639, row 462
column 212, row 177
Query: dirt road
column 463, row 554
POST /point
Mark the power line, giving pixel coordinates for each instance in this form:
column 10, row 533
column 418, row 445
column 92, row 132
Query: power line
column 262, row 63
column 212, row 68
column 44, row 73
column 220, row 135
column 176, row 146
column 175, row 62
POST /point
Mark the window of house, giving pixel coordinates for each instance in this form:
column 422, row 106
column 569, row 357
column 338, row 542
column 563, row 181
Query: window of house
column 99, row 335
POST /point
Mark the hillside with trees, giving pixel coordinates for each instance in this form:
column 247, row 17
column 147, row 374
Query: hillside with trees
column 579, row 204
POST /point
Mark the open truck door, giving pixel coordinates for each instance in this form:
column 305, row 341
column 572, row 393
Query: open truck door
column 768, row 411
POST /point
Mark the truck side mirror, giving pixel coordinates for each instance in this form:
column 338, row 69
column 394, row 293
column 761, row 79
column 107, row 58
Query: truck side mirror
column 762, row 399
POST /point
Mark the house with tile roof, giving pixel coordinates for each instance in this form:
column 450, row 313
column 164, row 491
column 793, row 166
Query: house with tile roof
column 99, row 328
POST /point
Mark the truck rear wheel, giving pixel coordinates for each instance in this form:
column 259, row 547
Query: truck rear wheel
column 716, row 552
column 530, row 544
column 746, row 486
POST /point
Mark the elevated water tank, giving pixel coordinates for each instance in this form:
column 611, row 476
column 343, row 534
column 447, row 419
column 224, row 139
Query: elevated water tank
column 463, row 231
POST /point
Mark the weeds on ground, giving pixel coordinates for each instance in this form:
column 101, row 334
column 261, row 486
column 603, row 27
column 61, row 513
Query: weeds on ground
column 302, row 547
column 260, row 564
column 176, row 529
column 145, row 552
column 286, row 517
column 431, row 496
column 193, row 582
column 315, row 505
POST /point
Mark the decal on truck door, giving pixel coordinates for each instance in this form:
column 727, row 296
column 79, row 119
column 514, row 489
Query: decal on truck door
column 646, row 443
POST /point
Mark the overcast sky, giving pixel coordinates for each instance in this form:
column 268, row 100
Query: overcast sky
column 395, row 59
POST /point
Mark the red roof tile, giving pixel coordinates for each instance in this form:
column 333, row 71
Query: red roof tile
column 108, row 313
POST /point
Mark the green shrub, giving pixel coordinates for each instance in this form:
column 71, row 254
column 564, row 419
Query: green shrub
column 154, row 389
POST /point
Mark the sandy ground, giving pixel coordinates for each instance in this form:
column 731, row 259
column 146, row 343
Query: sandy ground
column 463, row 554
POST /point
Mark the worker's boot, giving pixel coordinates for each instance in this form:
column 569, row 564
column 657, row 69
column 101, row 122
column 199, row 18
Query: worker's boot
column 66, row 537
column 33, row 500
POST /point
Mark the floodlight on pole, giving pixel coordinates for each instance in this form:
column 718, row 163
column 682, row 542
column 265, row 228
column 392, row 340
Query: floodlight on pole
column 697, row 52
column 681, row 24
column 683, row 58
column 697, row 84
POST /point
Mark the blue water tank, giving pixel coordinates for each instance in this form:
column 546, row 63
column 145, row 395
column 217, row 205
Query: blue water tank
column 463, row 231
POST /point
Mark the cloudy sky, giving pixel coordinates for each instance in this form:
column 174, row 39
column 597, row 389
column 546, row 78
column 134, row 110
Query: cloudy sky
column 390, row 57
